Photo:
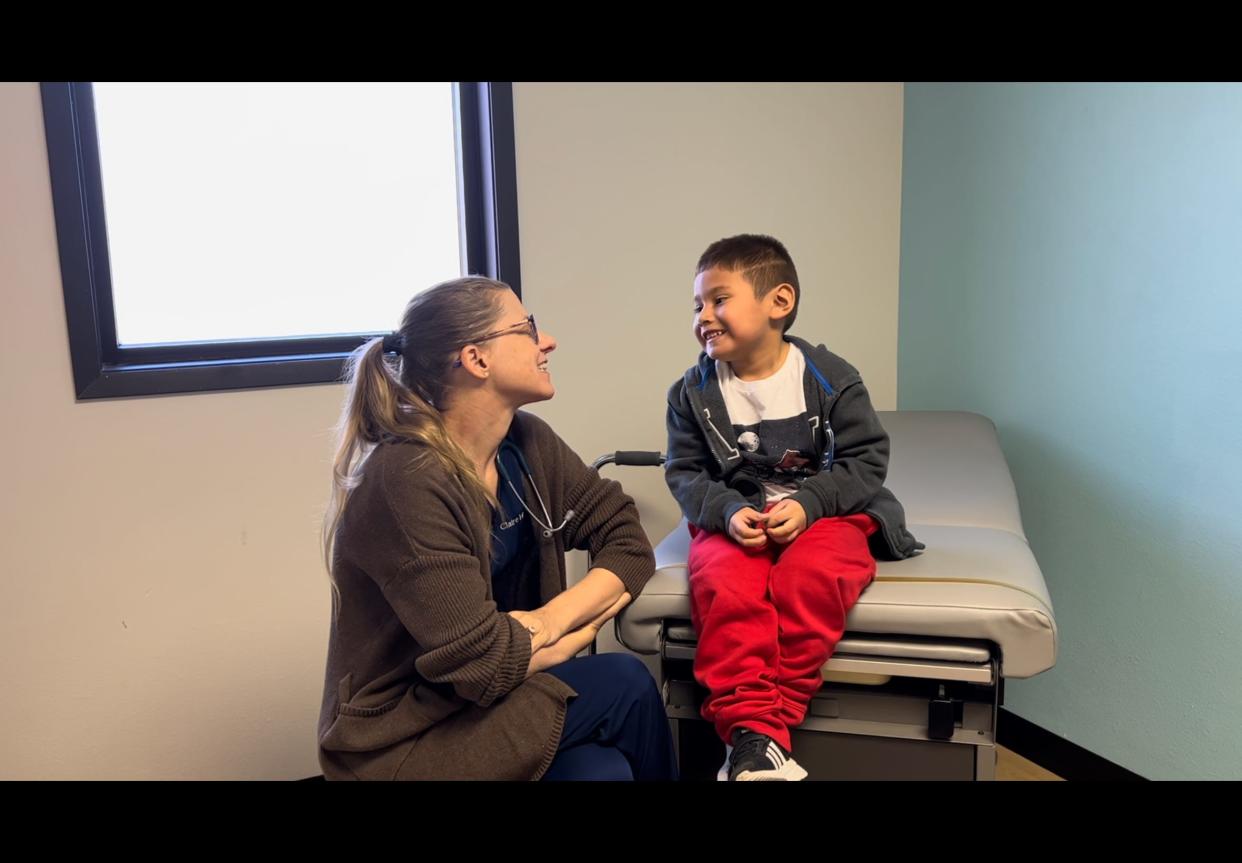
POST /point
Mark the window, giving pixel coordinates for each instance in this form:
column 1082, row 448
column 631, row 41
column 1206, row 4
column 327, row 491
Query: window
column 250, row 235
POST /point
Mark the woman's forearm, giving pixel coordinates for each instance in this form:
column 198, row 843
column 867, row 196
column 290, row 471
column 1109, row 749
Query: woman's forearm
column 574, row 641
column 582, row 603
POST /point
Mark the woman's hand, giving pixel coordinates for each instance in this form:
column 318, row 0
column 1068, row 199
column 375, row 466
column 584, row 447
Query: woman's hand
column 574, row 642
column 542, row 632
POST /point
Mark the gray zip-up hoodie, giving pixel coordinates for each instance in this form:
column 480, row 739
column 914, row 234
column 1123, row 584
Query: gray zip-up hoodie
column 711, row 480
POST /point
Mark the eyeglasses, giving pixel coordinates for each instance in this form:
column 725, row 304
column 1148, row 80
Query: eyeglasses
column 527, row 326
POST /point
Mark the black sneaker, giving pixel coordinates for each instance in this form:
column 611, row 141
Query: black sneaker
column 755, row 757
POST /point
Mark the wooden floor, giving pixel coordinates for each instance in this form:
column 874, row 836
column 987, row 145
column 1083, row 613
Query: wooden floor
column 1014, row 768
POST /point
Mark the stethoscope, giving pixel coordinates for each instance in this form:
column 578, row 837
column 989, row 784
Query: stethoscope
column 548, row 529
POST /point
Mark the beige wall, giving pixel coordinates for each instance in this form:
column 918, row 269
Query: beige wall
column 163, row 609
column 621, row 187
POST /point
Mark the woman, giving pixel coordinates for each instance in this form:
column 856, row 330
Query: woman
column 451, row 653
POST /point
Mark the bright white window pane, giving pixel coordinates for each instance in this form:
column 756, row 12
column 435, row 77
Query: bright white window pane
column 245, row 211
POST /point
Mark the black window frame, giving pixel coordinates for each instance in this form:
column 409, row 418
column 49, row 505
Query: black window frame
column 104, row 369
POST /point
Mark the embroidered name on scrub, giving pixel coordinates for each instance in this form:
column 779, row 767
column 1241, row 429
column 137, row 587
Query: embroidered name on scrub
column 505, row 525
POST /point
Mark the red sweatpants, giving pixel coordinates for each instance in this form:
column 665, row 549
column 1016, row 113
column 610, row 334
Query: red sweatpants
column 769, row 618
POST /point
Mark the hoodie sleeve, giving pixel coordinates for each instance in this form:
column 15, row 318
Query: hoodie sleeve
column 705, row 502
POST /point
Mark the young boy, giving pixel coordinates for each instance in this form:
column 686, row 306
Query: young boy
column 778, row 460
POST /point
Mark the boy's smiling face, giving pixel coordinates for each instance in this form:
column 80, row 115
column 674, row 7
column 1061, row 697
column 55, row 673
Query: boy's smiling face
column 729, row 321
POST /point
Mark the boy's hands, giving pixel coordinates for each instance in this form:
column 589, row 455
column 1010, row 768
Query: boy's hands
column 782, row 524
column 747, row 528
column 786, row 521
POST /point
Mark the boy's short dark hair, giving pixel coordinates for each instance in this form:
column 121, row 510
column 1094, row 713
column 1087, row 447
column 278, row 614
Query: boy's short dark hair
column 763, row 260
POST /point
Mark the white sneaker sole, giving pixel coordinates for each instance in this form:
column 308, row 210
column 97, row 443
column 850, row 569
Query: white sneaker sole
column 790, row 771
